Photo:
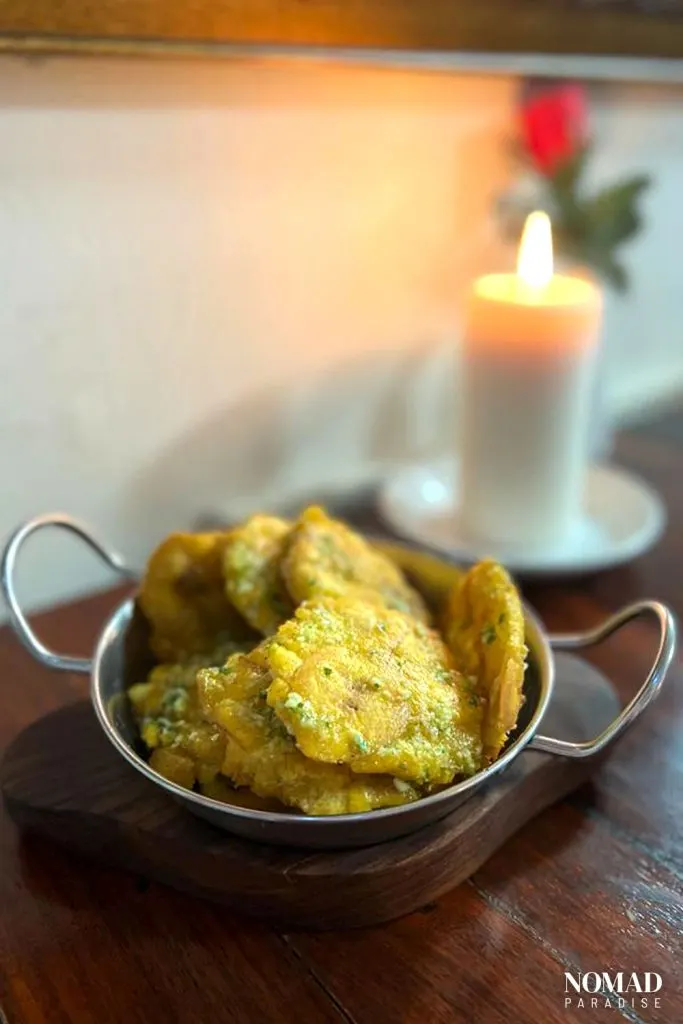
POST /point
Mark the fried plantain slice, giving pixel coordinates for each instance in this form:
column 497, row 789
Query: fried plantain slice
column 261, row 754
column 325, row 558
column 251, row 567
column 358, row 684
column 184, row 747
column 221, row 788
column 484, row 628
column 183, row 597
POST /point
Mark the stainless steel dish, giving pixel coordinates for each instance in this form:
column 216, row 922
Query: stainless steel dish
column 120, row 657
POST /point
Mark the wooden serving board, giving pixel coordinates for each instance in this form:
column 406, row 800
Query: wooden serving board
column 62, row 778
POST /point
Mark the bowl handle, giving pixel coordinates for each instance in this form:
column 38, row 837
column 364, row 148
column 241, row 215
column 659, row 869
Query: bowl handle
column 646, row 693
column 7, row 578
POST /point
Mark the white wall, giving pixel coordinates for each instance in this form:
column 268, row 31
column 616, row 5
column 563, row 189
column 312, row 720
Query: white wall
column 640, row 128
column 222, row 281
column 187, row 248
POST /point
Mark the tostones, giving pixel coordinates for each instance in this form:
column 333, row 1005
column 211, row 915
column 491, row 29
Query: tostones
column 223, row 790
column 484, row 628
column 185, row 748
column 251, row 567
column 261, row 754
column 182, row 595
column 325, row 558
column 359, row 684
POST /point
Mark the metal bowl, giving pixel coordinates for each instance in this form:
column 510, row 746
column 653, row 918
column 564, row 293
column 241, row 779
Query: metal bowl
column 122, row 657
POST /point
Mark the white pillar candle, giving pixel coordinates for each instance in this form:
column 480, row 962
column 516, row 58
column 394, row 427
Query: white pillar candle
column 527, row 367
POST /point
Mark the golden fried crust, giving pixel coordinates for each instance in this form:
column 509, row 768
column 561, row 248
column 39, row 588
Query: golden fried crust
column 325, row 558
column 251, row 566
column 358, row 684
column 484, row 628
column 183, row 597
column 184, row 747
column 262, row 755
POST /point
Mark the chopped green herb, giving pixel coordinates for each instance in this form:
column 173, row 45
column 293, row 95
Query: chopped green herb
column 175, row 700
column 327, row 670
column 294, row 701
column 488, row 634
column 360, row 742
column 471, row 682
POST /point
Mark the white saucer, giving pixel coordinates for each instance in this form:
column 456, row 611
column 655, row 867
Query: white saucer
column 623, row 517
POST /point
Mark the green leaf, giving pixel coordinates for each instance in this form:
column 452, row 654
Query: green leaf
column 603, row 263
column 612, row 216
column 612, row 272
column 586, row 230
column 569, row 216
column 567, row 176
column 600, row 259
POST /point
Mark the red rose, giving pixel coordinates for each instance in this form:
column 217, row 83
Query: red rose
column 555, row 126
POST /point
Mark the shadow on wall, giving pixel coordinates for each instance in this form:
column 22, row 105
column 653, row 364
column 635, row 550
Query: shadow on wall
column 331, row 432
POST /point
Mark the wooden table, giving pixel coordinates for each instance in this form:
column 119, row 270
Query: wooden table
column 594, row 884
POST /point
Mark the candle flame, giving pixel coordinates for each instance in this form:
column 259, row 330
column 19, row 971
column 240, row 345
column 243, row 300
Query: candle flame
column 535, row 257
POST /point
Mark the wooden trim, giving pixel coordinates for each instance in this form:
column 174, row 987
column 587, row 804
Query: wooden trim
column 603, row 27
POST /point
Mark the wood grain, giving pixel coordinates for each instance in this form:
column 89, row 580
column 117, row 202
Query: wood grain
column 597, row 877
column 627, row 27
